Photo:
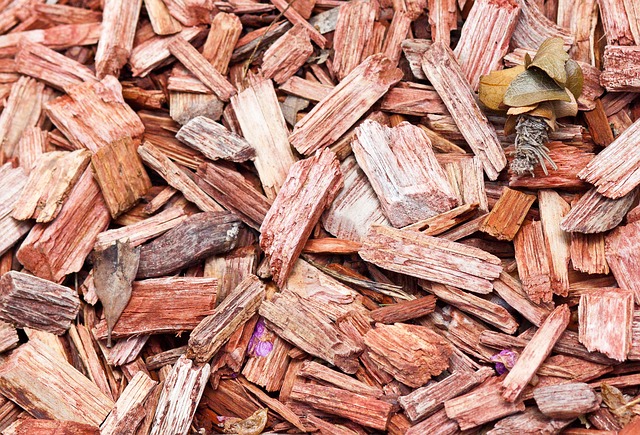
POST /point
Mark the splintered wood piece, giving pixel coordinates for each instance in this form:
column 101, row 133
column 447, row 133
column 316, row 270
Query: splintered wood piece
column 535, row 352
column 141, row 231
column 485, row 36
column 552, row 209
column 263, row 367
column 413, row 50
column 483, row 309
column 443, row 18
column 201, row 68
column 32, row 144
column 354, row 30
column 194, row 239
column 443, row 222
column 231, row 269
column 63, row 394
column 621, row 69
column 222, row 38
column 285, row 56
column 214, row 330
column 605, row 318
column 614, row 171
column 306, row 89
column 8, row 337
column 444, row 73
column 616, row 23
column 512, row 292
column 51, row 251
column 405, row 310
column 481, row 405
column 532, row 421
column 533, row 28
column 621, row 251
column 13, row 181
column 588, row 253
column 412, row 354
column 192, row 299
column 151, row 53
column 365, row 410
column 41, row 427
column 397, row 32
column 57, row 37
column 234, row 192
column 318, row 372
column 176, row 177
column 567, row 400
column 569, row 159
column 214, row 141
column 129, row 411
column 296, row 19
column 122, row 178
column 507, row 215
column 263, row 126
column 467, row 179
column 431, row 258
column 429, row 399
column 595, row 213
column 437, row 423
column 22, row 110
column 355, row 207
column 309, row 188
column 180, row 396
column 50, row 181
column 161, row 20
column 300, row 324
column 412, row 99
column 403, row 171
column 51, row 67
column 32, row 302
column 94, row 114
column 347, row 102
column 119, row 20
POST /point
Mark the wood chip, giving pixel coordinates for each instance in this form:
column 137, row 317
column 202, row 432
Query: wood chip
column 567, row 400
column 508, row 214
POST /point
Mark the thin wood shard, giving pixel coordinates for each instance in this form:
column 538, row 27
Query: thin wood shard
column 533, row 28
column 263, row 126
column 222, row 38
column 348, row 101
column 466, row 177
column 50, row 181
column 533, row 262
column 310, row 187
column 444, row 73
column 412, row 354
column 93, row 115
column 588, row 253
column 50, row 250
column 64, row 394
column 354, row 30
column 405, row 310
column 443, row 18
column 355, row 207
column 552, row 209
column 615, row 171
column 605, row 318
column 567, row 400
column 508, row 214
column 214, row 141
column 13, row 181
column 129, row 410
column 621, row 251
column 151, row 53
column 214, row 330
column 529, row 420
column 535, row 352
column 431, row 258
column 595, row 213
column 616, row 22
column 196, row 238
column 161, row 20
column 285, row 56
column 122, row 178
column 32, row 302
column 22, row 110
column 180, row 396
column 119, row 20
column 403, row 171
column 621, row 72
column 485, row 37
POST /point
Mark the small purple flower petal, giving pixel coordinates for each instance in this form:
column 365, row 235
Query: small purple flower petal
column 500, row 368
column 505, row 360
column 260, row 328
column 263, row 348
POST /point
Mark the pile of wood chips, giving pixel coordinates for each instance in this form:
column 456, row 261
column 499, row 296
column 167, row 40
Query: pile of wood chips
column 249, row 217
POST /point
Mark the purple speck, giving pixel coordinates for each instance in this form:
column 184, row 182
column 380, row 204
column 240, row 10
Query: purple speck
column 505, row 360
column 258, row 344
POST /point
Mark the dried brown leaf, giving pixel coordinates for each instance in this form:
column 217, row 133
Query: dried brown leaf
column 575, row 78
column 494, row 85
column 533, row 86
column 551, row 58
column 252, row 425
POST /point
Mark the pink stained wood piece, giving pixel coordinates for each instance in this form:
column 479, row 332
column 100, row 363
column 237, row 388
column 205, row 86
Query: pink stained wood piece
column 93, row 115
column 621, row 251
column 412, row 99
column 533, row 262
column 533, row 28
column 56, row 38
column 22, row 111
column 354, row 29
column 13, row 181
column 50, row 250
column 431, row 258
column 594, row 213
column 311, row 186
column 566, row 401
column 616, row 22
column 552, row 209
column 152, row 52
column 403, row 171
column 485, row 37
column 119, row 21
column 605, row 320
column 621, row 71
column 508, row 214
column 588, row 253
column 296, row 19
column 443, row 18
column 535, row 352
column 444, row 73
column 616, row 170
column 348, row 101
column 285, row 56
